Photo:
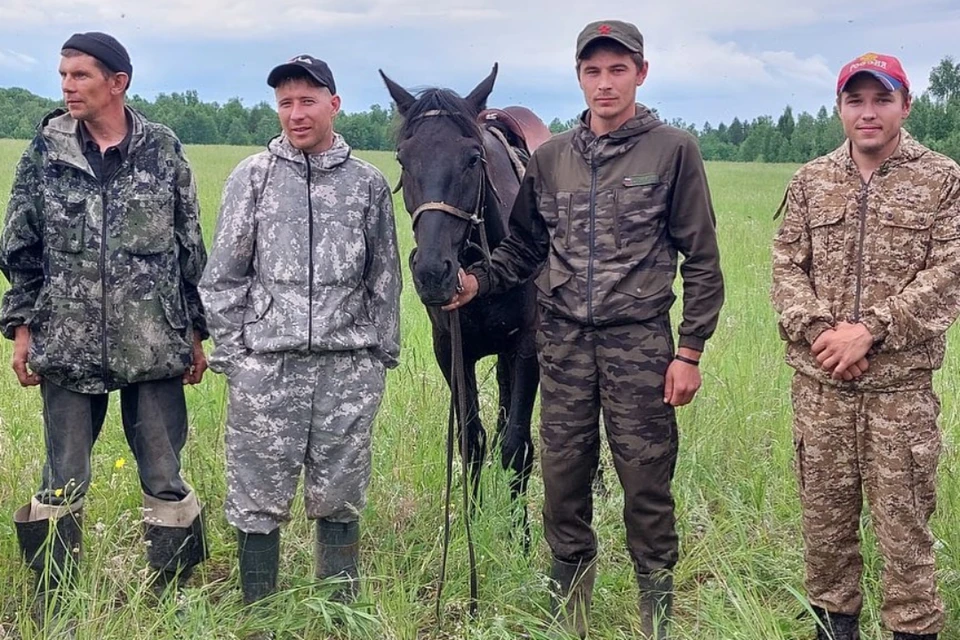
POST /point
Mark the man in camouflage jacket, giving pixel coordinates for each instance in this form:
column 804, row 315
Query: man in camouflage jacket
column 606, row 209
column 865, row 280
column 103, row 251
column 302, row 291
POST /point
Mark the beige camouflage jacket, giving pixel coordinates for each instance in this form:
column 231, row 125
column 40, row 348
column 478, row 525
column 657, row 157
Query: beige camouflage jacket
column 885, row 253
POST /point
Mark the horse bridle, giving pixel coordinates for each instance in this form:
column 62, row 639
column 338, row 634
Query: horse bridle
column 475, row 218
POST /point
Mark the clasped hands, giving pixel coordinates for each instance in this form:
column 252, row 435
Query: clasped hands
column 842, row 350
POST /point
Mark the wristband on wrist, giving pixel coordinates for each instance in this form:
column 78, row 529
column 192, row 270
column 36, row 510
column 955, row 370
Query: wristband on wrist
column 687, row 360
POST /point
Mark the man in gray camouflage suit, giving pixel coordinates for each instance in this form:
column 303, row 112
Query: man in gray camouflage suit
column 865, row 280
column 302, row 292
column 607, row 207
column 103, row 251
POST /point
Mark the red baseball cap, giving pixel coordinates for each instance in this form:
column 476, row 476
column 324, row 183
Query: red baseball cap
column 886, row 69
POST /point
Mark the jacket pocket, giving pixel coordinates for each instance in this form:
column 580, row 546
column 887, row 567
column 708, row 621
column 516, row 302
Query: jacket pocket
column 148, row 224
column 174, row 309
column 64, row 223
column 826, row 235
column 550, row 279
column 905, row 237
column 638, row 211
column 260, row 303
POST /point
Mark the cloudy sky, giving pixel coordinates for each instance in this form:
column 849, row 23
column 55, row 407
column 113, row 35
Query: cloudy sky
column 709, row 60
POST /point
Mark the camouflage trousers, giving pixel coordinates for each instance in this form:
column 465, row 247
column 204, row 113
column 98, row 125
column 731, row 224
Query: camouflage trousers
column 887, row 445
column 618, row 370
column 289, row 411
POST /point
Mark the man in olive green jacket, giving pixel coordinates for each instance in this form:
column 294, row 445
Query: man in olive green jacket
column 605, row 209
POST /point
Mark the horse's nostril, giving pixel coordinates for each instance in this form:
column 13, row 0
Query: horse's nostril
column 450, row 266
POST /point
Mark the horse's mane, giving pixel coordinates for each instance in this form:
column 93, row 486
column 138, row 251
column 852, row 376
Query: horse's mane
column 454, row 108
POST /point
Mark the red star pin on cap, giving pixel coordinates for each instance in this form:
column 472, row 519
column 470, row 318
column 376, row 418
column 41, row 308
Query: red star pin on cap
column 604, row 29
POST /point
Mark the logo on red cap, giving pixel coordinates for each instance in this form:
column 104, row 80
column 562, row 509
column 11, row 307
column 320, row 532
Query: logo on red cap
column 887, row 69
column 604, row 29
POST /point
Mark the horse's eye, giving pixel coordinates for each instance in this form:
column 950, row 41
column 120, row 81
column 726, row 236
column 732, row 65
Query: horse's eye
column 473, row 161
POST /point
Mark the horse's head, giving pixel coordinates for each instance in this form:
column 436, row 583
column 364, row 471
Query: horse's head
column 441, row 155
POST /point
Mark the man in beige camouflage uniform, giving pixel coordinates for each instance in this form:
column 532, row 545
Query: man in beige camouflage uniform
column 605, row 209
column 865, row 279
column 303, row 289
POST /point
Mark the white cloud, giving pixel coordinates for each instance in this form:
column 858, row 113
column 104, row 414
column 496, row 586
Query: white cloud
column 13, row 60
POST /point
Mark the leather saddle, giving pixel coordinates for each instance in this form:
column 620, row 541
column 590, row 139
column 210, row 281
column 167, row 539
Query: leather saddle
column 522, row 126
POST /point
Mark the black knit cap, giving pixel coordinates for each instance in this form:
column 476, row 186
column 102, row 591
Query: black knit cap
column 104, row 48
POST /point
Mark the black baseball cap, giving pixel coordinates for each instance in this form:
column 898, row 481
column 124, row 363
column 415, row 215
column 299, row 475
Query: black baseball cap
column 303, row 65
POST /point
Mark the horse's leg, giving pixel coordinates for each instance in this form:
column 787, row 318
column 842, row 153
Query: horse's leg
column 476, row 435
column 504, row 393
column 516, row 450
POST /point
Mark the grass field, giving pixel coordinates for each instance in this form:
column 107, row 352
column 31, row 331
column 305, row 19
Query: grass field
column 740, row 572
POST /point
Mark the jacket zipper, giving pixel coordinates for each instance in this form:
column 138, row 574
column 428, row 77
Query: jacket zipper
column 104, row 361
column 309, row 259
column 592, row 235
column 864, row 187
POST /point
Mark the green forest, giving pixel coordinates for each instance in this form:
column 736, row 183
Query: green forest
column 934, row 120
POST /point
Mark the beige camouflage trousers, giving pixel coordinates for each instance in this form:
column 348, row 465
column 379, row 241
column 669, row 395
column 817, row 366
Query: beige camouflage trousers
column 289, row 412
column 886, row 445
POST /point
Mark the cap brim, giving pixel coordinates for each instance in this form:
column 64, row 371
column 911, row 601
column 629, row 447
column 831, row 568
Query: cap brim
column 889, row 82
column 289, row 70
column 627, row 45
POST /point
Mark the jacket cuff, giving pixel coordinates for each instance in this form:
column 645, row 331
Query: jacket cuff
column 483, row 279
column 692, row 342
column 814, row 331
column 876, row 327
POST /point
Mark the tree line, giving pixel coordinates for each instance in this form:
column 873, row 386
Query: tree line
column 934, row 120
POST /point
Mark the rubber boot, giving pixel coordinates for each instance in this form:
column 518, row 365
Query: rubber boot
column 174, row 552
column 337, row 554
column 897, row 635
column 259, row 559
column 836, row 626
column 570, row 603
column 51, row 541
column 656, row 605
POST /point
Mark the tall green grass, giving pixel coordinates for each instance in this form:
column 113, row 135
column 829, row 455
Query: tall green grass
column 740, row 572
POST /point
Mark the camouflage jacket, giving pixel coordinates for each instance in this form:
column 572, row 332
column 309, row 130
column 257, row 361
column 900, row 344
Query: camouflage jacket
column 305, row 257
column 885, row 253
column 104, row 276
column 609, row 216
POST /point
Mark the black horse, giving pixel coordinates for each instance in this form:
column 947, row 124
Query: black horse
column 459, row 183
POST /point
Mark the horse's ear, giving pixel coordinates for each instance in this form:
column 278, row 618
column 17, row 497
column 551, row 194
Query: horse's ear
column 478, row 97
column 401, row 97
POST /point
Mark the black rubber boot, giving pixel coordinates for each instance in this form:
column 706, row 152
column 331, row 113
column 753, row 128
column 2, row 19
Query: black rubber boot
column 656, row 605
column 52, row 548
column 570, row 603
column 337, row 554
column 173, row 552
column 259, row 556
column 897, row 635
column 836, row 626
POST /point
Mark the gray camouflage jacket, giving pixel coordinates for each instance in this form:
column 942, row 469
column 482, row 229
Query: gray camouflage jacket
column 104, row 276
column 305, row 258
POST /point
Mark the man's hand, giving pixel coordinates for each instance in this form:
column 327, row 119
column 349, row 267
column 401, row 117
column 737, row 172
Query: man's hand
column 682, row 380
column 21, row 351
column 194, row 374
column 843, row 347
column 466, row 292
column 856, row 370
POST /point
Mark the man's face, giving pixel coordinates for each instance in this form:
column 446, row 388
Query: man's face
column 609, row 81
column 86, row 91
column 306, row 115
column 871, row 115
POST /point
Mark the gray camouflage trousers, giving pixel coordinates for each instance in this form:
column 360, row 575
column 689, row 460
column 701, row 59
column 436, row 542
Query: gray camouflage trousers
column 289, row 411
column 618, row 370
column 888, row 445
